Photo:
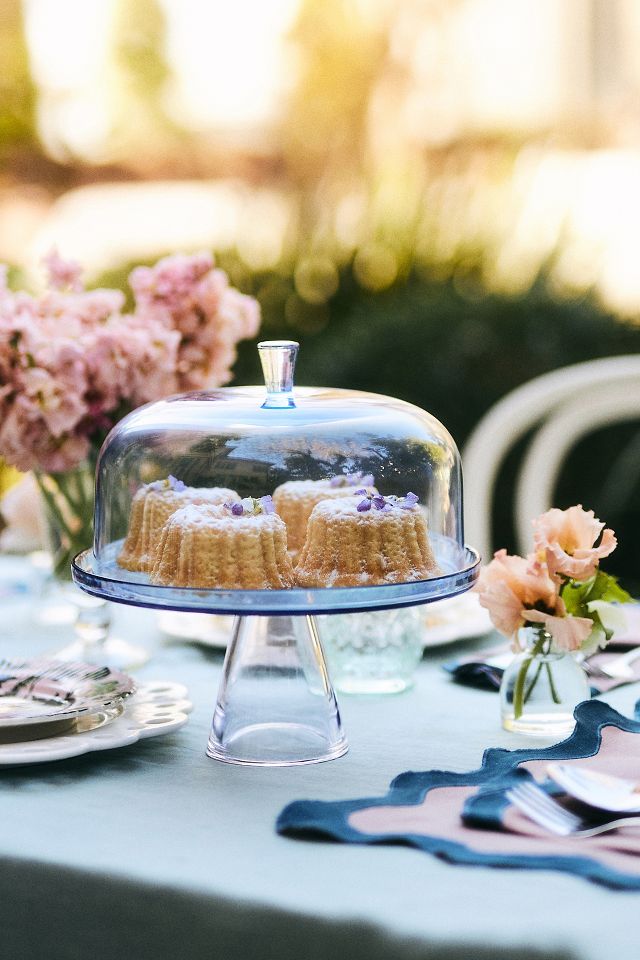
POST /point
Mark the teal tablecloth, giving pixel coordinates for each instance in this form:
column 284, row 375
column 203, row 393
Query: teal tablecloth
column 154, row 851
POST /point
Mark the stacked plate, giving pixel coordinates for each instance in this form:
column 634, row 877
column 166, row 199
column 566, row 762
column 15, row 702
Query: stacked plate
column 50, row 709
column 44, row 698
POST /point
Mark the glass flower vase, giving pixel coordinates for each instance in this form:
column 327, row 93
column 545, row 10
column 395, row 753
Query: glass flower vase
column 541, row 688
column 68, row 502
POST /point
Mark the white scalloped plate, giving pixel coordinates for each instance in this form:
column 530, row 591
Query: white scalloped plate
column 155, row 708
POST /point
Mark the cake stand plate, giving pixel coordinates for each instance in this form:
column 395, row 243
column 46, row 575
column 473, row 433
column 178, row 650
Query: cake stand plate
column 276, row 705
column 105, row 578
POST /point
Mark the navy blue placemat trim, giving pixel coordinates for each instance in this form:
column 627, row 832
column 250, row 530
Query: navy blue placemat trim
column 329, row 820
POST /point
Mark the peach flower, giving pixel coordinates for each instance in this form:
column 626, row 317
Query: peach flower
column 565, row 538
column 509, row 585
column 569, row 633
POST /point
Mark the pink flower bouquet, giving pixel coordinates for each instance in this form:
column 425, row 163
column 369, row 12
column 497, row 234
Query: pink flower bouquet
column 72, row 363
column 558, row 589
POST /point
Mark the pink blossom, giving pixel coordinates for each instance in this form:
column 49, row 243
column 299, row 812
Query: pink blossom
column 188, row 295
column 26, row 442
column 154, row 350
column 71, row 362
column 569, row 633
column 508, row 585
column 565, row 539
column 170, row 284
column 62, row 273
column 53, row 399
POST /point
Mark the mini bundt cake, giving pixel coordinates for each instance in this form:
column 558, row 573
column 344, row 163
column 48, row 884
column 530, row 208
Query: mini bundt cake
column 151, row 507
column 295, row 499
column 239, row 546
column 366, row 540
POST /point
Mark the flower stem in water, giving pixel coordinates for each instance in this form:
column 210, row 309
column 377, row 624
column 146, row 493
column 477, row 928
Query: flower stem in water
column 520, row 697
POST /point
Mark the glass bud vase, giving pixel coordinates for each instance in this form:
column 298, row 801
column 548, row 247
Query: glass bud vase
column 68, row 501
column 541, row 688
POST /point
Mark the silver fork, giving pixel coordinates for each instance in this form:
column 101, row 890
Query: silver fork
column 543, row 810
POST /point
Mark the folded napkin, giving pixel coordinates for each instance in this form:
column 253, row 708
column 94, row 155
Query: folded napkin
column 483, row 669
column 466, row 818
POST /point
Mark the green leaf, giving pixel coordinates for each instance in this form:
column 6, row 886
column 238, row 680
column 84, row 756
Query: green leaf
column 606, row 587
column 577, row 595
column 602, row 586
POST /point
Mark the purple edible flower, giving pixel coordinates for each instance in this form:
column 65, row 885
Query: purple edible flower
column 410, row 501
column 176, row 485
column 236, row 508
column 363, row 493
column 379, row 502
column 364, row 505
column 267, row 504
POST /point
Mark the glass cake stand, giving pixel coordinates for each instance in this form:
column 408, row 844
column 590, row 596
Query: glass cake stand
column 276, row 705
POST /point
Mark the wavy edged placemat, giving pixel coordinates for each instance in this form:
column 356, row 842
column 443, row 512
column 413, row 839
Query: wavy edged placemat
column 465, row 818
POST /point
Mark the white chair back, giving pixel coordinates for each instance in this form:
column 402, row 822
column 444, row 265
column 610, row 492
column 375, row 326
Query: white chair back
column 565, row 405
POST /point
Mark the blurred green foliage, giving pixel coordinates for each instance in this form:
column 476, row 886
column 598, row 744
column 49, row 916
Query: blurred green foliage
column 17, row 91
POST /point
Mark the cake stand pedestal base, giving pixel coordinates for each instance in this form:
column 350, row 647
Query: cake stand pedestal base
column 276, row 705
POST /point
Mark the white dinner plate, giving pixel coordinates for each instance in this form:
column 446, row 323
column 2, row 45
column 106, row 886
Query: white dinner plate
column 154, row 709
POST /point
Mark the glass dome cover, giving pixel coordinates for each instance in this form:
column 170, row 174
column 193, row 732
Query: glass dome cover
column 250, row 441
